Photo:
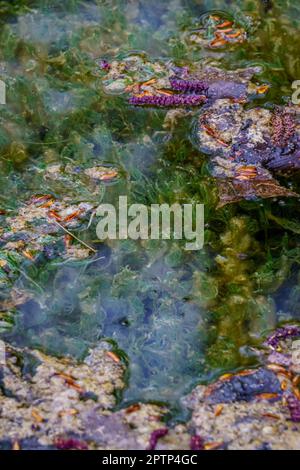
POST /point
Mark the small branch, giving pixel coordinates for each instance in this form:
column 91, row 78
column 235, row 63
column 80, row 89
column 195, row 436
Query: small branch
column 76, row 238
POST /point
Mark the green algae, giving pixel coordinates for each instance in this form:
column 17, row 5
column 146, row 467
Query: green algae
column 179, row 317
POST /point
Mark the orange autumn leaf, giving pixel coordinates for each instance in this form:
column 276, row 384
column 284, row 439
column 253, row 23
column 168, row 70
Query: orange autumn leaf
column 113, row 356
column 225, row 24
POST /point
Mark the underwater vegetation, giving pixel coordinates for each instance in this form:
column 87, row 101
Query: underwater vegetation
column 178, row 103
column 81, row 415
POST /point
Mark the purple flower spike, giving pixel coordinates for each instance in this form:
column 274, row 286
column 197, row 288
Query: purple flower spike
column 167, row 100
column 281, row 334
column 179, row 84
column 155, row 435
column 294, row 408
column 196, row 443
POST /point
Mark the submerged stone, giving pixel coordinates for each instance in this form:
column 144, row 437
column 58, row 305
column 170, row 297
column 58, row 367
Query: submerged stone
column 170, row 85
column 245, row 387
column 248, row 146
column 217, row 31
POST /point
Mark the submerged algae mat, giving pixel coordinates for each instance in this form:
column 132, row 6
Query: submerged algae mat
column 70, row 140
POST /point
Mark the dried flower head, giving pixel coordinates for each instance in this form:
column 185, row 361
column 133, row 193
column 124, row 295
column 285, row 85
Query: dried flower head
column 188, row 86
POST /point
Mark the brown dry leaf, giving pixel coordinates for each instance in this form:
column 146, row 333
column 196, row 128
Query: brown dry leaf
column 266, row 396
column 218, row 42
column 296, row 392
column 261, row 90
column 296, row 380
column 228, row 30
column 113, row 356
column 54, row 215
column 270, row 415
column 68, row 240
column 234, row 35
column 235, row 190
column 149, row 82
column 36, row 416
column 218, row 410
column 213, row 445
column 226, row 377
column 225, row 24
column 16, row 445
column 276, row 368
column 72, row 216
column 245, row 373
column 41, row 199
column 245, row 173
column 165, row 92
column 284, row 385
column 70, row 381
column 69, row 412
column 214, row 134
column 133, row 408
column 28, row 255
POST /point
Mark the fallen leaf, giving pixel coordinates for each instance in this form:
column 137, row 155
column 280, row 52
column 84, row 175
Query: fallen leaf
column 266, row 396
column 113, row 356
column 213, row 445
column 218, row 410
column 36, row 416
column 133, row 408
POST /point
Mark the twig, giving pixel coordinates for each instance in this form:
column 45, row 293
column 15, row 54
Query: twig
column 74, row 236
column 30, row 279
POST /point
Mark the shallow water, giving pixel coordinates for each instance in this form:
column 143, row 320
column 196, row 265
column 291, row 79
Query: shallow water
column 177, row 317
